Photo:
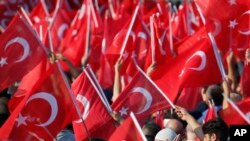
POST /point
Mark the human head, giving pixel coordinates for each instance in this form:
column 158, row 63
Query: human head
column 215, row 129
column 165, row 134
column 150, row 129
column 215, row 92
column 175, row 125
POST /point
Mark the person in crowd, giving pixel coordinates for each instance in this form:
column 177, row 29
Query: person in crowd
column 213, row 130
column 150, row 129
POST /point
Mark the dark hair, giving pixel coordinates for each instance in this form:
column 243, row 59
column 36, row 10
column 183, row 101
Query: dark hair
column 216, row 126
column 151, row 129
column 215, row 92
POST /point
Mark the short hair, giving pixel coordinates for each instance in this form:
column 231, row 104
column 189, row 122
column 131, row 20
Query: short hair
column 215, row 92
column 216, row 126
column 151, row 129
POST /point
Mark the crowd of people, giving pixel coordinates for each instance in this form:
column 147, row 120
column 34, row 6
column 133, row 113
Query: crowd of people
column 172, row 124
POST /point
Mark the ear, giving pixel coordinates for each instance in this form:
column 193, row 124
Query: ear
column 214, row 137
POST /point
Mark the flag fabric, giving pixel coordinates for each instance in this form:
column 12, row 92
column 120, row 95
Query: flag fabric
column 232, row 117
column 77, row 33
column 129, row 130
column 44, row 112
column 141, row 87
column 245, row 81
column 27, row 82
column 211, row 113
column 159, row 52
column 20, row 49
column 90, row 102
column 195, row 58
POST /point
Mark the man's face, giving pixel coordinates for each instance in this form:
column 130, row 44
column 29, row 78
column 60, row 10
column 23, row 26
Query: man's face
column 208, row 137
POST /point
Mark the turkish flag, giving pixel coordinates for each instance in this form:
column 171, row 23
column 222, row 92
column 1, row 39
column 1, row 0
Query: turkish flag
column 59, row 26
column 211, row 114
column 240, row 32
column 20, row 49
column 187, row 95
column 77, row 33
column 245, row 81
column 195, row 58
column 129, row 130
column 221, row 9
column 44, row 112
column 90, row 102
column 27, row 82
column 150, row 98
column 232, row 117
column 159, row 51
column 123, row 43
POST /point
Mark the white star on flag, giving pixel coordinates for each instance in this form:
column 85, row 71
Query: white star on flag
column 232, row 24
column 232, row 2
column 21, row 120
column 3, row 61
column 123, row 111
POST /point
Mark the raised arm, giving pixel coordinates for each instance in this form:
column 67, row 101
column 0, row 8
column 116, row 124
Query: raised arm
column 193, row 123
column 117, row 80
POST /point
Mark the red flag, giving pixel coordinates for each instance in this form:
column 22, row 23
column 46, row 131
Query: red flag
column 159, row 51
column 232, row 117
column 141, row 87
column 90, row 102
column 211, row 113
column 195, row 58
column 44, row 112
column 128, row 130
column 27, row 82
column 220, row 9
column 20, row 50
column 240, row 33
column 79, row 33
column 187, row 95
column 245, row 81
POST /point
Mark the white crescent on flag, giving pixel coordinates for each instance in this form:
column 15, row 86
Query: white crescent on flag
column 61, row 30
column 248, row 31
column 23, row 43
column 147, row 95
column 51, row 100
column 84, row 101
column 202, row 65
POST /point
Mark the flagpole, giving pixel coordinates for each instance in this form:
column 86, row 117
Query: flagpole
column 129, row 30
column 161, row 92
column 238, row 110
column 152, row 38
column 88, row 28
column 93, row 14
column 99, row 92
column 26, row 16
column 137, row 126
column 35, row 34
column 111, row 9
column 203, row 19
column 170, row 31
column 72, row 98
column 52, row 20
column 217, row 55
column 98, row 85
column 45, row 8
